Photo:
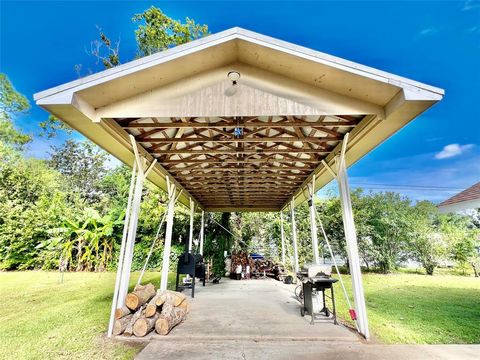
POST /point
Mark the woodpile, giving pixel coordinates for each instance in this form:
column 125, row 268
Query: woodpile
column 146, row 310
column 257, row 268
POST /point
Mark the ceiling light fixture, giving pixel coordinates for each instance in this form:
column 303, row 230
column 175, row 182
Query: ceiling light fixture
column 233, row 76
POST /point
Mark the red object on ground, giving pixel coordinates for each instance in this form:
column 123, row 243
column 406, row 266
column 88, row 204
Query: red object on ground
column 353, row 314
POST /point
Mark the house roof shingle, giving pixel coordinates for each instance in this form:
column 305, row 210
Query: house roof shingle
column 470, row 194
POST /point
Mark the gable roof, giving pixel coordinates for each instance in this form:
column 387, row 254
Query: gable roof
column 294, row 105
column 464, row 200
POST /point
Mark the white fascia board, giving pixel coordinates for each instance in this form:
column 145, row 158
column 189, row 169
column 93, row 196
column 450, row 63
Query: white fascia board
column 70, row 98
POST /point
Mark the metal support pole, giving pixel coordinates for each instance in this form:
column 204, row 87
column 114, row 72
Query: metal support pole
column 168, row 235
column 313, row 221
column 122, row 252
column 139, row 174
column 190, row 235
column 127, row 262
column 352, row 245
column 202, row 232
column 283, row 237
column 294, row 236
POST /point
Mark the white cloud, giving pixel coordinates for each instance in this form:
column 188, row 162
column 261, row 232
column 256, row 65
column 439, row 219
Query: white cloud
column 452, row 150
column 427, row 31
column 470, row 5
column 473, row 29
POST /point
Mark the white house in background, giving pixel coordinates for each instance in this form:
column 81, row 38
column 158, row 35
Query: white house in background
column 468, row 199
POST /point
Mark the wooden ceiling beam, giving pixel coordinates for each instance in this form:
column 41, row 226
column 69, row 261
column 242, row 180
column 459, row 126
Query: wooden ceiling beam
column 282, row 184
column 252, row 189
column 241, row 151
column 289, row 139
column 227, row 161
column 192, row 177
column 235, row 169
column 221, row 125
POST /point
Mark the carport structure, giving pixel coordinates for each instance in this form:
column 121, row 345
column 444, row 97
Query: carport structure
column 239, row 121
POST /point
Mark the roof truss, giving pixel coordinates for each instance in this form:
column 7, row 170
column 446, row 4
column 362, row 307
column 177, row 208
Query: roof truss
column 240, row 162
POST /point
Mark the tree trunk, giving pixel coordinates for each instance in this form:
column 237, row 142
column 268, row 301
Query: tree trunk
column 140, row 296
column 144, row 325
column 121, row 324
column 475, row 270
column 129, row 329
column 121, row 312
column 169, row 318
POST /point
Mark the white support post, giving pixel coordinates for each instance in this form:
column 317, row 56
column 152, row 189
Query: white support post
column 168, row 235
column 127, row 262
column 313, row 221
column 190, row 235
column 352, row 245
column 122, row 252
column 202, row 232
column 294, row 236
column 282, row 234
column 139, row 173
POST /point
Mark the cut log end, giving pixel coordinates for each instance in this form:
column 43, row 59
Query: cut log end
column 121, row 312
column 170, row 317
column 132, row 301
column 144, row 325
column 161, row 326
column 150, row 310
column 141, row 295
column 121, row 324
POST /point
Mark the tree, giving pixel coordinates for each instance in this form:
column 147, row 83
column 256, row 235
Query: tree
column 12, row 103
column 31, row 203
column 84, row 165
column 86, row 242
column 465, row 239
column 427, row 244
column 390, row 221
column 51, row 126
column 331, row 217
column 105, row 50
column 217, row 240
column 158, row 31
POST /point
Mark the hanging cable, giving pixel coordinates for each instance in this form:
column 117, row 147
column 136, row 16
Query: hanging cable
column 151, row 249
column 224, row 228
column 350, row 308
column 153, row 243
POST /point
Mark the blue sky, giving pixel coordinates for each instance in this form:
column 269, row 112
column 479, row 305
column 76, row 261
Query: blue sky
column 433, row 42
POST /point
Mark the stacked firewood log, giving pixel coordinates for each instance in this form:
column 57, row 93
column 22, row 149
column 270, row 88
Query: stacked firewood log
column 258, row 267
column 146, row 310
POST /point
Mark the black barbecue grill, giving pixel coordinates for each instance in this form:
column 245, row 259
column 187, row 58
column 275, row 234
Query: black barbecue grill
column 315, row 279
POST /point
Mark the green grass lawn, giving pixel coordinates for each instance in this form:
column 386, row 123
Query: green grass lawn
column 41, row 318
column 420, row 309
